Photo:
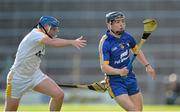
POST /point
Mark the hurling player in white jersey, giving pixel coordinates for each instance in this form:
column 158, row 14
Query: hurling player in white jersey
column 25, row 73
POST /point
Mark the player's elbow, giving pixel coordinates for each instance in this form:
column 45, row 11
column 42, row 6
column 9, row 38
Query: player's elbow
column 103, row 68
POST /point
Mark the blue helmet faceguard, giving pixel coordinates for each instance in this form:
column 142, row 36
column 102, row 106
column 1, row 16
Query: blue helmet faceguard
column 111, row 16
column 49, row 20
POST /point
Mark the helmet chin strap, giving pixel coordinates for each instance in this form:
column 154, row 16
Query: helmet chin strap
column 117, row 32
column 45, row 30
column 55, row 36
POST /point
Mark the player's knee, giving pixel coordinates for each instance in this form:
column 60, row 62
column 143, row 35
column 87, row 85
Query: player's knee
column 11, row 104
column 59, row 95
column 132, row 108
column 138, row 109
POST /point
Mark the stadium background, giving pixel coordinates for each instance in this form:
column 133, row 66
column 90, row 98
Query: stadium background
column 87, row 18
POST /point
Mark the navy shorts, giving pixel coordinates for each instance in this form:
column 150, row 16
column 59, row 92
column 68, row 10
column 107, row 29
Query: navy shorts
column 118, row 85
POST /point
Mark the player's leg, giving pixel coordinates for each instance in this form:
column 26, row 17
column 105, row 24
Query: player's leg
column 125, row 102
column 137, row 99
column 117, row 90
column 134, row 93
column 11, row 104
column 50, row 88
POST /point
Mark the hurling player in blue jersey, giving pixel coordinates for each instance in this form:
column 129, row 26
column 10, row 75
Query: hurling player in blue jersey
column 114, row 50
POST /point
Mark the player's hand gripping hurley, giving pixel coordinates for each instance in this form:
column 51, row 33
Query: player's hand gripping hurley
column 149, row 26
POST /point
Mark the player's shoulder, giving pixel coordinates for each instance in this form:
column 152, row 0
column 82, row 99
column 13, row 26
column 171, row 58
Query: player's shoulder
column 37, row 32
column 104, row 40
column 34, row 36
column 127, row 34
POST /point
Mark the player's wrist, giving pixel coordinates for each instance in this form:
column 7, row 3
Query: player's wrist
column 146, row 65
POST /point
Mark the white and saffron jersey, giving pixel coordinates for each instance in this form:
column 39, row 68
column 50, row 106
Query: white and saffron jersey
column 29, row 54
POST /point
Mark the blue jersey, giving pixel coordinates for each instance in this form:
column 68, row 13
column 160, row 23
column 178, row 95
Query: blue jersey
column 115, row 51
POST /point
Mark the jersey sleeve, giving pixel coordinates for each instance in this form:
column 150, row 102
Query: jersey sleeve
column 104, row 52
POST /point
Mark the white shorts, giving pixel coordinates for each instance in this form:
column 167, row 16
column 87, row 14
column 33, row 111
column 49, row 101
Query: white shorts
column 17, row 84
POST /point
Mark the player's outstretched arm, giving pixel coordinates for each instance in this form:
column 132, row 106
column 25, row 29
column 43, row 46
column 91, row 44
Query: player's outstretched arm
column 149, row 69
column 58, row 42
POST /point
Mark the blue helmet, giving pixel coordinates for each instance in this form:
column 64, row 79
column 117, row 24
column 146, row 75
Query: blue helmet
column 49, row 20
column 111, row 16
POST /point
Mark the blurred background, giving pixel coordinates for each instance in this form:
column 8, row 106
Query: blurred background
column 87, row 18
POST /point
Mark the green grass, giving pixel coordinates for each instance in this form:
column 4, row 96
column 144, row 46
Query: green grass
column 96, row 108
